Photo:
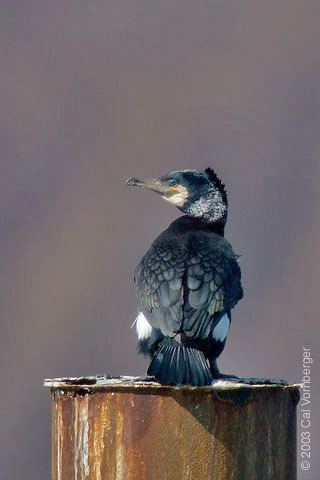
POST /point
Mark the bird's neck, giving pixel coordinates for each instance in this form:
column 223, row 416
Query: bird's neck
column 217, row 227
column 187, row 222
column 210, row 208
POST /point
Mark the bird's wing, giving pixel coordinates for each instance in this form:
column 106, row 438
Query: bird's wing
column 159, row 282
column 188, row 285
column 214, row 283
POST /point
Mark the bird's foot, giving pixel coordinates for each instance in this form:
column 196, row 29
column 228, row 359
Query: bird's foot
column 250, row 381
column 228, row 377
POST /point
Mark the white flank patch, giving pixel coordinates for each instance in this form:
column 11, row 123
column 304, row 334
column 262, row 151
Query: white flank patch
column 143, row 327
column 220, row 331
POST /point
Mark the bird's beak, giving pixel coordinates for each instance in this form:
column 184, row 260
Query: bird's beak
column 153, row 184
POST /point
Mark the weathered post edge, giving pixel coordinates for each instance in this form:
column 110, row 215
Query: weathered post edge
column 129, row 428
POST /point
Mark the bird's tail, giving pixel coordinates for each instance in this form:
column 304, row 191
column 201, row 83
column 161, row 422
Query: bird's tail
column 175, row 363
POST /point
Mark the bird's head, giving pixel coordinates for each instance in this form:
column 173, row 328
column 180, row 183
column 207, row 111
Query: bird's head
column 198, row 194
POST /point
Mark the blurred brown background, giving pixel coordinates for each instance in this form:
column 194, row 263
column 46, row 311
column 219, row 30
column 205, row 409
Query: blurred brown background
column 94, row 92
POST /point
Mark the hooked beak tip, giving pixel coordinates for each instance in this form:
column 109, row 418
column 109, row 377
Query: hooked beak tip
column 134, row 182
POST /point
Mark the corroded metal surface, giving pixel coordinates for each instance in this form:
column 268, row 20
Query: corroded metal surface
column 131, row 429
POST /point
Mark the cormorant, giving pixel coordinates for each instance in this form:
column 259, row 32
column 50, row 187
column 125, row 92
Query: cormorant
column 187, row 282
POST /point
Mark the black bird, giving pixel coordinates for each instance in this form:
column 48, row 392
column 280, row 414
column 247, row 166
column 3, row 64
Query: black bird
column 187, row 282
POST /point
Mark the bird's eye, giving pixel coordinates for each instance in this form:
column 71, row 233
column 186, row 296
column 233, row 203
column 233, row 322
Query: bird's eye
column 172, row 183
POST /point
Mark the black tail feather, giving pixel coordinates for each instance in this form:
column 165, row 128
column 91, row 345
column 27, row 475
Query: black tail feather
column 178, row 364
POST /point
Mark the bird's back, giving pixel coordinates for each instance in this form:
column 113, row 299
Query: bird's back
column 188, row 276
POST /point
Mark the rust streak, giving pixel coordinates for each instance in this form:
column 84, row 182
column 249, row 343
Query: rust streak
column 81, row 432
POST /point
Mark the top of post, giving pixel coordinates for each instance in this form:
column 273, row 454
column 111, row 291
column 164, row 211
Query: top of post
column 92, row 384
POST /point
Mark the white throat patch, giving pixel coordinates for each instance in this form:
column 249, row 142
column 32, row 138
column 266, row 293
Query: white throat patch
column 178, row 199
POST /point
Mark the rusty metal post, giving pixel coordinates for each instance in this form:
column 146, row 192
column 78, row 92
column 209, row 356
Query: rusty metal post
column 131, row 429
